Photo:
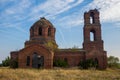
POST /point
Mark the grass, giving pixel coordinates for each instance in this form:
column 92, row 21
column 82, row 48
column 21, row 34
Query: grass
column 58, row 74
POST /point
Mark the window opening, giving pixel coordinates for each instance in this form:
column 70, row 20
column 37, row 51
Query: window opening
column 49, row 32
column 40, row 31
column 92, row 21
column 28, row 60
column 92, row 35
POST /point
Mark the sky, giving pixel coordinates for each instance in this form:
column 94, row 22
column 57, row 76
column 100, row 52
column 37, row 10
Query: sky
column 17, row 16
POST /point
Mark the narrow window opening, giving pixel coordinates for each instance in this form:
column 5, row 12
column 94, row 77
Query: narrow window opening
column 28, row 61
column 40, row 31
column 49, row 32
column 92, row 21
column 92, row 35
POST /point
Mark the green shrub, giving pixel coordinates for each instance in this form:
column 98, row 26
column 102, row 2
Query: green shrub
column 6, row 62
column 88, row 64
column 60, row 63
column 14, row 64
column 0, row 64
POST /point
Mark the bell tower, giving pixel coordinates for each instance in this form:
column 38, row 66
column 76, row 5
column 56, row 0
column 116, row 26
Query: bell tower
column 92, row 31
column 93, row 43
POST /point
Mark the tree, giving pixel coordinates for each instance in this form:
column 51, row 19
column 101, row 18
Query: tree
column 113, row 62
column 6, row 62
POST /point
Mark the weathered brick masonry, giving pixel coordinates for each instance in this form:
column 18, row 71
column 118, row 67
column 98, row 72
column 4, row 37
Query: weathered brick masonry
column 36, row 54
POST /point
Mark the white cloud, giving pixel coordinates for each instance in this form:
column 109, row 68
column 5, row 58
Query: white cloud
column 19, row 7
column 15, row 12
column 13, row 25
column 109, row 12
column 14, row 15
column 109, row 9
column 54, row 7
column 71, row 21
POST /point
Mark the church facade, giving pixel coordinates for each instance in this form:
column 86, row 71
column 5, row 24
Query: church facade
column 39, row 50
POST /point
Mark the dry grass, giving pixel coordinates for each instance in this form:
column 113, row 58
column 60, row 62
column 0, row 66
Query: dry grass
column 58, row 74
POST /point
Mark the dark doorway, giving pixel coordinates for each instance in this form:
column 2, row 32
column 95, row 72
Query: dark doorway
column 96, row 62
column 40, row 61
column 37, row 61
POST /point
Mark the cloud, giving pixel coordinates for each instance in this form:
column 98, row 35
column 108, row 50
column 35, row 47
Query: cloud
column 56, row 6
column 12, row 16
column 109, row 12
column 70, row 21
column 26, row 10
column 16, row 26
column 109, row 9
column 52, row 8
column 14, row 11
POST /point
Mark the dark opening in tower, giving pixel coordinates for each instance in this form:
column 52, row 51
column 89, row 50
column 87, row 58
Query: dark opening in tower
column 92, row 35
column 40, row 31
column 49, row 31
column 92, row 20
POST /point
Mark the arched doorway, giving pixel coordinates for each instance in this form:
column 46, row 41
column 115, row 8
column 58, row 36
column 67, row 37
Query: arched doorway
column 96, row 62
column 37, row 60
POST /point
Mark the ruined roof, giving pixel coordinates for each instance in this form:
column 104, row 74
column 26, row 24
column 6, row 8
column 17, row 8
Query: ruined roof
column 70, row 49
column 43, row 22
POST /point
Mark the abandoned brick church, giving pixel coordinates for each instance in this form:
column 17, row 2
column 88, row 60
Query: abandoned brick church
column 37, row 52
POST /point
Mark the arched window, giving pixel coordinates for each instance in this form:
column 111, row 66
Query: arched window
column 40, row 31
column 92, row 21
column 28, row 61
column 49, row 31
column 92, row 35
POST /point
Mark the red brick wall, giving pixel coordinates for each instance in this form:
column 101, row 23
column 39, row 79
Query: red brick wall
column 40, row 50
column 14, row 55
column 73, row 57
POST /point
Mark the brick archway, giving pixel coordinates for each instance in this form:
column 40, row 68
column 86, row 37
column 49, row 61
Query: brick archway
column 37, row 60
column 41, row 52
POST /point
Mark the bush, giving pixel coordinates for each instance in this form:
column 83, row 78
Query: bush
column 6, row 62
column 88, row 64
column 60, row 63
column 14, row 64
column 0, row 65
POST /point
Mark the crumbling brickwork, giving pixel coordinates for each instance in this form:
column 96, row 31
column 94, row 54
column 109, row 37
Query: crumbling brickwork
column 36, row 54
